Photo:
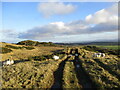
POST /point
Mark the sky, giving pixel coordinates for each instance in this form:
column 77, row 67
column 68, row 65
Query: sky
column 59, row 21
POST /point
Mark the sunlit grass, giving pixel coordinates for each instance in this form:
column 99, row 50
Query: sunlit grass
column 22, row 54
column 101, row 77
column 69, row 76
column 110, row 46
column 38, row 72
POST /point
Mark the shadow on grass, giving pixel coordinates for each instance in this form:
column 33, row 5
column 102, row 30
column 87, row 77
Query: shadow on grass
column 58, row 52
column 83, row 77
column 58, row 75
column 106, row 67
column 20, row 61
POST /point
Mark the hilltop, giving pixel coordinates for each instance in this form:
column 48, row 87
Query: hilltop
column 26, row 49
column 35, row 43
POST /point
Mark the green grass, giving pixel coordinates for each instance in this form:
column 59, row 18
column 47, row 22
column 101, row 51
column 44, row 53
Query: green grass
column 13, row 47
column 16, row 47
column 103, row 50
column 29, row 48
column 5, row 50
column 114, row 47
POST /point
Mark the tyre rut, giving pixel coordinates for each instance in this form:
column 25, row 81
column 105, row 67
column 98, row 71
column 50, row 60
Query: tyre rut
column 82, row 76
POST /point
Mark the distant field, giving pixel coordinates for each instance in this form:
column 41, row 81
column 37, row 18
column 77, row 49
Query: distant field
column 109, row 46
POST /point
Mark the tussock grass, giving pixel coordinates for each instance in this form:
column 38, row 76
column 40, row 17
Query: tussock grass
column 33, row 73
column 111, row 61
column 101, row 77
column 22, row 54
column 38, row 72
column 30, row 74
column 29, row 47
column 4, row 50
column 13, row 47
column 16, row 47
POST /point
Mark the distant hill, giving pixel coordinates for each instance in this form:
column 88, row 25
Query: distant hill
column 90, row 43
column 35, row 43
column 102, row 43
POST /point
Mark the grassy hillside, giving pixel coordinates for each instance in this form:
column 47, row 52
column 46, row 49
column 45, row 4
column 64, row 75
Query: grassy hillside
column 35, row 43
column 22, row 52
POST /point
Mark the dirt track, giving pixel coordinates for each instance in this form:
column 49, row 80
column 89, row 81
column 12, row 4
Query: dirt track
column 82, row 77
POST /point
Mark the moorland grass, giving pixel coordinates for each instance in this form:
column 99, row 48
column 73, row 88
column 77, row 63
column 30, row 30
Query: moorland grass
column 22, row 54
column 30, row 74
column 5, row 50
column 69, row 76
column 99, row 75
column 16, row 47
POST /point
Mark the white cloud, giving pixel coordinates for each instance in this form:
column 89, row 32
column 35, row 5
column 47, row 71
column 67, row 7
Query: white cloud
column 55, row 8
column 105, row 20
column 109, row 15
column 60, row 29
column 9, row 36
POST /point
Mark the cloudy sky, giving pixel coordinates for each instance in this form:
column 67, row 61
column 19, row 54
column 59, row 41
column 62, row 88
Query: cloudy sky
column 59, row 21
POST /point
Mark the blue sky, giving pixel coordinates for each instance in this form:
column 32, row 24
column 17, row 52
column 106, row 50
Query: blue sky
column 21, row 18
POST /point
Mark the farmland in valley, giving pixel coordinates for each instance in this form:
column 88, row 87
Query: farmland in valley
column 110, row 47
column 34, row 66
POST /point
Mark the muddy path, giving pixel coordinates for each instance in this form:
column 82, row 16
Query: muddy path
column 82, row 76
